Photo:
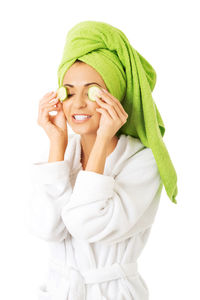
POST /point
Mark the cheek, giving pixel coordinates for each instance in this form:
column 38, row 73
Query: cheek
column 97, row 118
column 68, row 109
column 65, row 109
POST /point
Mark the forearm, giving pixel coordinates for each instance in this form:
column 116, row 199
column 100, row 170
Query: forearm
column 97, row 158
column 56, row 153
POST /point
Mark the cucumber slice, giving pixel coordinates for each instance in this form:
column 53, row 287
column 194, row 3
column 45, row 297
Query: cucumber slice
column 62, row 93
column 93, row 91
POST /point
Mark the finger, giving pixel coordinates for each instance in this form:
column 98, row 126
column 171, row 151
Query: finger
column 52, row 96
column 48, row 94
column 105, row 94
column 43, row 112
column 44, row 106
column 110, row 109
column 53, row 102
column 45, row 95
column 48, row 97
column 113, row 109
column 104, row 112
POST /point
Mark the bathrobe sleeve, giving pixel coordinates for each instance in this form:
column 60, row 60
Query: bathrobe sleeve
column 51, row 189
column 107, row 209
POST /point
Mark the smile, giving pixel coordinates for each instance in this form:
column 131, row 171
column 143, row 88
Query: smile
column 81, row 119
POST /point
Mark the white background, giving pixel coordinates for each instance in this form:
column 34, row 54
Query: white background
column 32, row 35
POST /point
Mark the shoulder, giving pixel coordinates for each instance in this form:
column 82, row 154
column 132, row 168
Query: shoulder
column 140, row 161
column 144, row 162
column 138, row 152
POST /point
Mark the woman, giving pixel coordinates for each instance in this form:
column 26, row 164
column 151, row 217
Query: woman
column 96, row 198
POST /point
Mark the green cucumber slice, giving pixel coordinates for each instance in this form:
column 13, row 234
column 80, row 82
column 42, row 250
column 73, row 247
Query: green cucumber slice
column 62, row 93
column 93, row 92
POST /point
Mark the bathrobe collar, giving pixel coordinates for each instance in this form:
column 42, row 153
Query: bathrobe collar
column 126, row 147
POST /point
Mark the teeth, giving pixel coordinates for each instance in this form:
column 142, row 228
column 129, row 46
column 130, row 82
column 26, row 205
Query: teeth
column 81, row 117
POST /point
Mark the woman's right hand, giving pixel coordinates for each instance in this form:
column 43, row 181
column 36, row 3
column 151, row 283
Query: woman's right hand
column 54, row 126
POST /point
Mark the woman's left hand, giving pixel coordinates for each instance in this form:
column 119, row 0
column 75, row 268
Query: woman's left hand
column 113, row 115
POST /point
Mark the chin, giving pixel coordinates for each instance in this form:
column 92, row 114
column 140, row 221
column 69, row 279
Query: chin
column 83, row 130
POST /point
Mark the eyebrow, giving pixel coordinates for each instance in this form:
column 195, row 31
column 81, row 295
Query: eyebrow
column 84, row 84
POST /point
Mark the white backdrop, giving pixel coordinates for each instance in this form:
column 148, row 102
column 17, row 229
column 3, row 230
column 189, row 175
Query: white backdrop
column 166, row 33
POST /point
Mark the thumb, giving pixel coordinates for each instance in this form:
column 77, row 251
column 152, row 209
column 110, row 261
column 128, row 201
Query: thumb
column 59, row 106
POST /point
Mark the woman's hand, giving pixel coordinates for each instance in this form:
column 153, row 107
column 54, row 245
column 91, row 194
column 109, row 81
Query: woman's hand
column 54, row 126
column 113, row 115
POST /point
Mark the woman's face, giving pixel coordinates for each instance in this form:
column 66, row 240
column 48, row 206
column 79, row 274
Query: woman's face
column 78, row 102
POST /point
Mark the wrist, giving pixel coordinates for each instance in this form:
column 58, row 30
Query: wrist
column 103, row 138
column 59, row 145
column 56, row 152
column 55, row 156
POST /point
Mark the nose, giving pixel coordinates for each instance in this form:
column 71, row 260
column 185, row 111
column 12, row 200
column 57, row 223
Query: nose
column 80, row 100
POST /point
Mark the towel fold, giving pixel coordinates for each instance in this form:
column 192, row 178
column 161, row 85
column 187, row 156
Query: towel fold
column 130, row 78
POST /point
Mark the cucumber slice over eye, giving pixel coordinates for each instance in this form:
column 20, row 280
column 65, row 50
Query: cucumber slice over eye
column 62, row 93
column 93, row 91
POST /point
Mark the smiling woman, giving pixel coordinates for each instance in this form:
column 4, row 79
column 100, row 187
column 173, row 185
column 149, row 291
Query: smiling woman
column 78, row 78
column 98, row 199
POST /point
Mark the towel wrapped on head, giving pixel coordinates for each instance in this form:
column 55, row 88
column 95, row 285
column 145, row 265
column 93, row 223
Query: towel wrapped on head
column 130, row 78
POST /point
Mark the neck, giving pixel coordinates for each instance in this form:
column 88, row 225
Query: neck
column 87, row 143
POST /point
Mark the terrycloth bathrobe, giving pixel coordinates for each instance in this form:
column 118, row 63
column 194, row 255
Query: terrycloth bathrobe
column 96, row 225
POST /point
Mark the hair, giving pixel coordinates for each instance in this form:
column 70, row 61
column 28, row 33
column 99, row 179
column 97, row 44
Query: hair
column 79, row 61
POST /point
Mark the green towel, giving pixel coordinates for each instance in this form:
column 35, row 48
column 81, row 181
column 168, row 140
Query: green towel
column 130, row 78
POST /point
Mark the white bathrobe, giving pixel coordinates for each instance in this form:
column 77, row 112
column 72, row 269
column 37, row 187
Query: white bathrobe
column 96, row 225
